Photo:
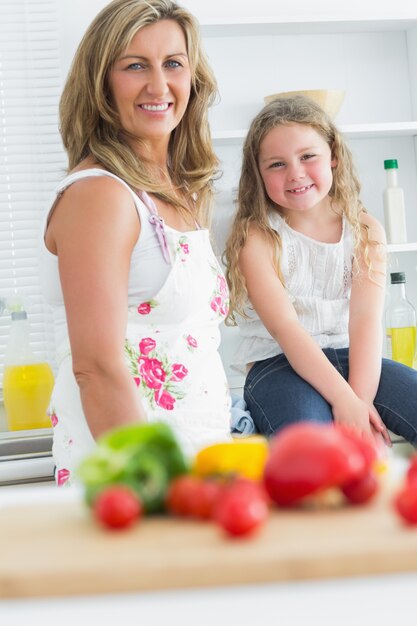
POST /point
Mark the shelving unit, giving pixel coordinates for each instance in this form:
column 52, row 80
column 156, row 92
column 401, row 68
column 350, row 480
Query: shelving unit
column 306, row 22
column 370, row 52
column 352, row 131
column 394, row 248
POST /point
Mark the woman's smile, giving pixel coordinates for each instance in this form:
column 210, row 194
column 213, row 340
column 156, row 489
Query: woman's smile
column 156, row 108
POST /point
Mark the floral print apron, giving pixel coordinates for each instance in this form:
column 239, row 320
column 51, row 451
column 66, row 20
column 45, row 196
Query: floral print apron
column 171, row 349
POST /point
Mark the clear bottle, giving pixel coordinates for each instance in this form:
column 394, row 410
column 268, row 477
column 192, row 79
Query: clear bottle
column 27, row 383
column 400, row 323
column 394, row 208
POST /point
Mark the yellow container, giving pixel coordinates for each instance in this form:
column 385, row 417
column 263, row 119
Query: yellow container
column 27, row 391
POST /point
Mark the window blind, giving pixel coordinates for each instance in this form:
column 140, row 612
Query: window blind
column 32, row 159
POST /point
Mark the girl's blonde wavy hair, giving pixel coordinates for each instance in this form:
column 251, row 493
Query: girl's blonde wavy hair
column 90, row 124
column 254, row 205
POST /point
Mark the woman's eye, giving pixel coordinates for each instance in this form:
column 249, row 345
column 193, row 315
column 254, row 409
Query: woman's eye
column 172, row 63
column 135, row 66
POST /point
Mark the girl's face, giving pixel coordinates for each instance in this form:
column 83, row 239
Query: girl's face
column 296, row 163
column 151, row 82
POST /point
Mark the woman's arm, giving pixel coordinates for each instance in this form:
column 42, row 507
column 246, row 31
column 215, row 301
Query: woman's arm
column 270, row 300
column 93, row 230
column 365, row 316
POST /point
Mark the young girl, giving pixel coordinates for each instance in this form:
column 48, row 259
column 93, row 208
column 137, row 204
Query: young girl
column 306, row 268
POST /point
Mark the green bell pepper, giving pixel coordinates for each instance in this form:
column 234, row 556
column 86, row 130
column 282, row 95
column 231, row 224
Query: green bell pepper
column 145, row 456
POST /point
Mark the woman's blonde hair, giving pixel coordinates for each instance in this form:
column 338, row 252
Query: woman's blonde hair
column 90, row 124
column 254, row 204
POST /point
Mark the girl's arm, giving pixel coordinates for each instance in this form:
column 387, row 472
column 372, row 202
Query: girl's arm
column 365, row 316
column 93, row 230
column 270, row 300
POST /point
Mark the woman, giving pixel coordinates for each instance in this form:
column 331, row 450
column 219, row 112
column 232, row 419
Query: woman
column 137, row 292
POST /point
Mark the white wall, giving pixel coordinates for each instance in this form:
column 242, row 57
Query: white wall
column 75, row 15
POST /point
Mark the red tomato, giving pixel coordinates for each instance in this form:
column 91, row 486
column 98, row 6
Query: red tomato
column 117, row 506
column 205, row 498
column 405, row 503
column 182, row 493
column 193, row 496
column 307, row 457
column 361, row 490
column 252, row 485
column 241, row 510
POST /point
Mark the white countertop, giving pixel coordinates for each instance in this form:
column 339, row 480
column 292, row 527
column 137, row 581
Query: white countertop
column 371, row 601
column 381, row 600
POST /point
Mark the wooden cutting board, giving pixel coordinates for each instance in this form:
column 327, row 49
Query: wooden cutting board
column 57, row 549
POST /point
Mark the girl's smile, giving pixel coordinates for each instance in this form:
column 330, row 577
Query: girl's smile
column 299, row 190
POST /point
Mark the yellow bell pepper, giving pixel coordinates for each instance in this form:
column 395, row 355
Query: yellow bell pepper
column 244, row 457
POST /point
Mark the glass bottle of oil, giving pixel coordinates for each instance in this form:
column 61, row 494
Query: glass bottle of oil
column 400, row 323
column 27, row 383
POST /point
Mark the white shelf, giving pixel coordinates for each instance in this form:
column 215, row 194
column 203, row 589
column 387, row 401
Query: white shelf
column 388, row 129
column 309, row 24
column 401, row 247
column 352, row 131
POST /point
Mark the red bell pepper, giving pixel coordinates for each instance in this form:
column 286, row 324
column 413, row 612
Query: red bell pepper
column 307, row 457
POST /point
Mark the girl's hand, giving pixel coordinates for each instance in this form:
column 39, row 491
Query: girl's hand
column 355, row 413
column 378, row 427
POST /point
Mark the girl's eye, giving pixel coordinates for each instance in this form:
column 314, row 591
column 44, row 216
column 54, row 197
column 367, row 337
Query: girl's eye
column 277, row 164
column 305, row 157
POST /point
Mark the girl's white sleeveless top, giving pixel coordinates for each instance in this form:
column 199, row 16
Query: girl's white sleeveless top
column 318, row 278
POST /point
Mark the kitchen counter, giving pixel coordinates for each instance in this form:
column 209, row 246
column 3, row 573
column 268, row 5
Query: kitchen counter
column 66, row 553
column 57, row 565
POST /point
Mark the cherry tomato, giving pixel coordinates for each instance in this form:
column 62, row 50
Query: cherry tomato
column 117, row 506
column 361, row 490
column 241, row 510
column 192, row 496
column 181, row 494
column 256, row 486
column 205, row 498
column 405, row 503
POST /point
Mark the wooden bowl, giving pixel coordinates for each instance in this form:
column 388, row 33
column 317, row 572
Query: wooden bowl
column 330, row 100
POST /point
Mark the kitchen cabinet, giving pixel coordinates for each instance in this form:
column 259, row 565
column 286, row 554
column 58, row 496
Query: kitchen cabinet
column 368, row 50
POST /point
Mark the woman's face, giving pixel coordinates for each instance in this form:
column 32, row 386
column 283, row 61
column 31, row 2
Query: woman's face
column 151, row 82
column 296, row 163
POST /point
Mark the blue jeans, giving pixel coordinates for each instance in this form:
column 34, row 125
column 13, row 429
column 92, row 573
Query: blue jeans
column 277, row 396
